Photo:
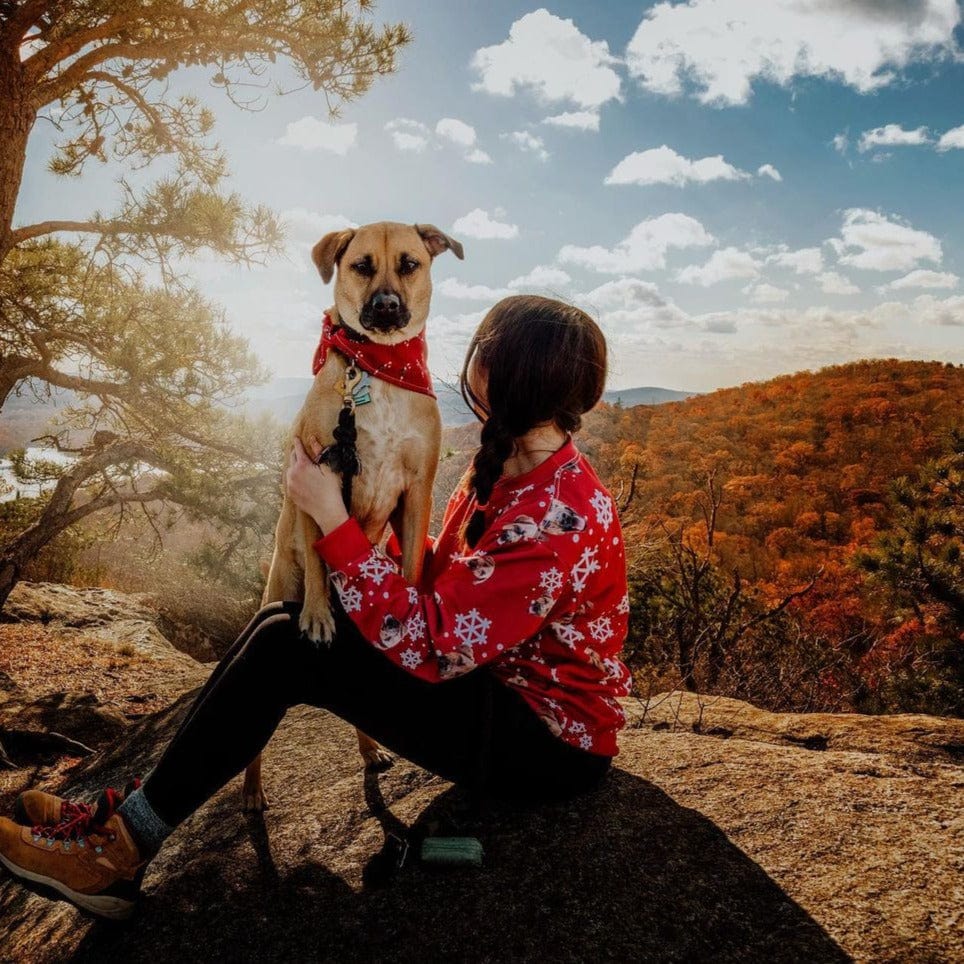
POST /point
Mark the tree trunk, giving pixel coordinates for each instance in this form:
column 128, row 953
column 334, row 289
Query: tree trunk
column 13, row 370
column 17, row 116
column 19, row 551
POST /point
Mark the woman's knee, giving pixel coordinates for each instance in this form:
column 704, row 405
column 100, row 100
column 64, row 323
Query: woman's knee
column 276, row 652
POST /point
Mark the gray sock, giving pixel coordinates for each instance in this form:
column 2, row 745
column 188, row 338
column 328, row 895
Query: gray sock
column 147, row 828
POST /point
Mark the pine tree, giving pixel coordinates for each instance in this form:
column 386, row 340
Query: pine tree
column 152, row 367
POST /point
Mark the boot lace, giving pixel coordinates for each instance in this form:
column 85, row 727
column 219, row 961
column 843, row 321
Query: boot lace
column 79, row 820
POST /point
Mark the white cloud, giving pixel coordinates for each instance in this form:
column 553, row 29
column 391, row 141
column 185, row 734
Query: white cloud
column 766, row 294
column 453, row 288
column 478, row 156
column 311, row 134
column 718, row 48
column 802, row 261
column 947, row 312
column 951, row 138
column 303, row 227
column 405, row 141
column 306, row 225
column 630, row 305
column 921, row 278
column 528, row 142
column 841, row 142
column 478, row 224
column 456, row 131
column 583, row 120
column 892, row 135
column 413, row 135
column 874, row 242
column 644, row 249
column 836, row 284
column 723, row 265
column 768, row 170
column 542, row 276
column 552, row 58
column 624, row 293
column 662, row 165
column 409, row 135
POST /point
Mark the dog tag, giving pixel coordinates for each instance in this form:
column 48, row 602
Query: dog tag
column 361, row 391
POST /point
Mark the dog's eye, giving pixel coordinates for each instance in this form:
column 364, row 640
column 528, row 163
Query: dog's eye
column 364, row 267
column 407, row 266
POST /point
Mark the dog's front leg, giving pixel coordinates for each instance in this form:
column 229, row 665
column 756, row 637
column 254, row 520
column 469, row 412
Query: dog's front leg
column 416, row 515
column 317, row 620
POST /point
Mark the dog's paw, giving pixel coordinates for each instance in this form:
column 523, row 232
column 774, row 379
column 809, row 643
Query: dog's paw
column 377, row 758
column 318, row 627
column 253, row 799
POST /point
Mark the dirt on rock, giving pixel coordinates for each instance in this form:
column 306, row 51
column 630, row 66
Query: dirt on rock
column 722, row 833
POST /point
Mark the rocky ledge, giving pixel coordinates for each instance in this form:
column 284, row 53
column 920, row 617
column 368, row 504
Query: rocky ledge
column 723, row 833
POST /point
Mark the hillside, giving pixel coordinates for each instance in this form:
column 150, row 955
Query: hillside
column 27, row 416
column 802, row 466
column 723, row 833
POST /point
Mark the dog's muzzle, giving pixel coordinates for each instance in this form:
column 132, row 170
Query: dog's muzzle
column 384, row 312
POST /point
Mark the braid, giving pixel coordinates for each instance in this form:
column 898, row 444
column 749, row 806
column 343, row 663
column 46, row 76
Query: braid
column 496, row 446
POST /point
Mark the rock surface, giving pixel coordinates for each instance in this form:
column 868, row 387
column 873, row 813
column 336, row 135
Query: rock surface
column 749, row 840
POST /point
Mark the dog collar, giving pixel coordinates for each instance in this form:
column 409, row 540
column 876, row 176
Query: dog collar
column 404, row 364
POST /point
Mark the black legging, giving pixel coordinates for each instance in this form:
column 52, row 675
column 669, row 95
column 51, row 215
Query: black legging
column 439, row 726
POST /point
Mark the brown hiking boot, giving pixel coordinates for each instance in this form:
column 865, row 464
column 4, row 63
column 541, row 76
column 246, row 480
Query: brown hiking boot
column 35, row 808
column 90, row 858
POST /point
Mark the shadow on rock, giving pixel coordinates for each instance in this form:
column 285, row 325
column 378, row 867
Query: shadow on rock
column 622, row 874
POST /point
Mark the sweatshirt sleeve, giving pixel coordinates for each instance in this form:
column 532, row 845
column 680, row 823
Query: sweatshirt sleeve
column 393, row 550
column 482, row 604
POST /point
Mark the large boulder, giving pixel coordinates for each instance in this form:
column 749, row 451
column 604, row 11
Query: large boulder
column 726, row 847
column 129, row 620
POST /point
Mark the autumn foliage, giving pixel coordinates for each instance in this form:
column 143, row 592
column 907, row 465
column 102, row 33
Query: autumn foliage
column 816, row 473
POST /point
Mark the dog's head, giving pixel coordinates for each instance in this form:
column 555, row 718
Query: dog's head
column 522, row 527
column 383, row 286
column 562, row 518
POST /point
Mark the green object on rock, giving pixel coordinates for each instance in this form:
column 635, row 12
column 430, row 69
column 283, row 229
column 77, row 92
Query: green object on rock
column 452, row 851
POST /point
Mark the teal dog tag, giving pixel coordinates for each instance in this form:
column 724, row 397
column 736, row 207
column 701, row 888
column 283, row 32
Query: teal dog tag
column 362, row 391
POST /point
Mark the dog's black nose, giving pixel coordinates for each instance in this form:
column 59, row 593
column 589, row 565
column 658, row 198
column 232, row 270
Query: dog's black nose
column 386, row 301
column 384, row 311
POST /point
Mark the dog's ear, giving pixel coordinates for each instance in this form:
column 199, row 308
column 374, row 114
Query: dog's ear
column 328, row 251
column 438, row 241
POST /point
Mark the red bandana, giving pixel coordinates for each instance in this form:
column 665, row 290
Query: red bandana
column 404, row 364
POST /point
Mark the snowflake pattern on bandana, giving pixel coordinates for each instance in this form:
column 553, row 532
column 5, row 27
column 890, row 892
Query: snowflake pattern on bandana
column 404, row 364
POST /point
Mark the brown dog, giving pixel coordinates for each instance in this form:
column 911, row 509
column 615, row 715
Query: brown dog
column 382, row 294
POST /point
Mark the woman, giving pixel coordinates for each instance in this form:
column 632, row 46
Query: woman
column 500, row 672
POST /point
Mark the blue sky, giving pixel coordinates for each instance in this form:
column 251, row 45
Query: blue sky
column 732, row 195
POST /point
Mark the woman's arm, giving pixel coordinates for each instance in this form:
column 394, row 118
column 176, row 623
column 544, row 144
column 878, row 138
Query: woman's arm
column 482, row 605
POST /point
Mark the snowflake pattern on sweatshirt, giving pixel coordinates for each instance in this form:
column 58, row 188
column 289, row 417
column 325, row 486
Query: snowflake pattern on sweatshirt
column 542, row 598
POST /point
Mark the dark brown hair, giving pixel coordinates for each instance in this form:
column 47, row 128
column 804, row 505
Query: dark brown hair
column 545, row 361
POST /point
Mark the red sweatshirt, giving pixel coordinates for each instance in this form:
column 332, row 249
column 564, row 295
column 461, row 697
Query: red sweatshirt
column 542, row 598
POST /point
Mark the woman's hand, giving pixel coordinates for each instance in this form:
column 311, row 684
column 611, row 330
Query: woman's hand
column 315, row 489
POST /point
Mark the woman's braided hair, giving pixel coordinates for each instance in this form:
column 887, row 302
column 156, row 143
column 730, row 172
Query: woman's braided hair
column 544, row 361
